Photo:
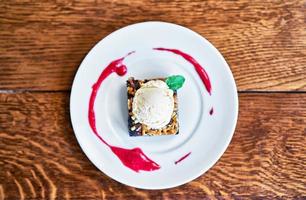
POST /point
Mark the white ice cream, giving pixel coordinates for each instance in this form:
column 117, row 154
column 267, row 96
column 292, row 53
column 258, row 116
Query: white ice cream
column 153, row 104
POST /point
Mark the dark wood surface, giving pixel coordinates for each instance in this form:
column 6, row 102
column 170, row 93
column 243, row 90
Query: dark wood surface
column 40, row 157
column 43, row 42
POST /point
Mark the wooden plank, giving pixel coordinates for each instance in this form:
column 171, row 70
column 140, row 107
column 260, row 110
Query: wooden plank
column 40, row 157
column 42, row 43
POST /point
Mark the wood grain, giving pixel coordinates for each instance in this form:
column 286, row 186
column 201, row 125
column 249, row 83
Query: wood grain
column 43, row 42
column 40, row 157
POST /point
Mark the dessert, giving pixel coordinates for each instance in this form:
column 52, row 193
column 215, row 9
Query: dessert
column 153, row 106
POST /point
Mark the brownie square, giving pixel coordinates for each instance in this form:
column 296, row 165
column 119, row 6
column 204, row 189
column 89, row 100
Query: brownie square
column 139, row 129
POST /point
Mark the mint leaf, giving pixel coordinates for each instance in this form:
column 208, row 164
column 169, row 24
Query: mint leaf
column 175, row 82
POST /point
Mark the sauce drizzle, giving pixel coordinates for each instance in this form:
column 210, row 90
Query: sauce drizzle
column 200, row 70
column 182, row 158
column 134, row 158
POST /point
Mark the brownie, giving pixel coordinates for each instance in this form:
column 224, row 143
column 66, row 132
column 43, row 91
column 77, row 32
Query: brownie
column 139, row 129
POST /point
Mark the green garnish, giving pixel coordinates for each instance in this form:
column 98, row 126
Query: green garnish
column 175, row 82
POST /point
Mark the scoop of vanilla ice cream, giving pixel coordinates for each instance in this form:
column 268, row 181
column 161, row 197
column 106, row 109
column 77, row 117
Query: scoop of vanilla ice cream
column 153, row 104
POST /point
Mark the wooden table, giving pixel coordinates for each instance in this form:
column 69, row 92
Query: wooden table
column 42, row 44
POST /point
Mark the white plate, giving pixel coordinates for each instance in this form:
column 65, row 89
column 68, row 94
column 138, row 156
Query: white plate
column 205, row 136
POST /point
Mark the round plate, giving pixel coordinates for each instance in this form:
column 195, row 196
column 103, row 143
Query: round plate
column 205, row 136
